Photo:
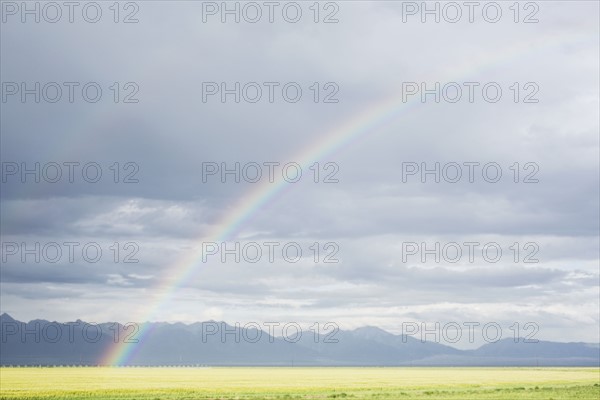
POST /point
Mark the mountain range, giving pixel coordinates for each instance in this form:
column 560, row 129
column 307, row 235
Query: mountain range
column 41, row 342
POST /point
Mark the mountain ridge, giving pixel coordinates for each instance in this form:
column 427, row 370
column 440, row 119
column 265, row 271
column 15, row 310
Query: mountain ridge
column 42, row 342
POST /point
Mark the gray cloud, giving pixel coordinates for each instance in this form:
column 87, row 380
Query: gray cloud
column 369, row 213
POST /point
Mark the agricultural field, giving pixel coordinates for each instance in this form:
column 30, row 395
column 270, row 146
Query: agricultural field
column 299, row 383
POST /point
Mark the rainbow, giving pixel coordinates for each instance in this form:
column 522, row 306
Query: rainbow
column 365, row 123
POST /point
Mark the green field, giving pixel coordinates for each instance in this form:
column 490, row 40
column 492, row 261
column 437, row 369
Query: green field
column 299, row 383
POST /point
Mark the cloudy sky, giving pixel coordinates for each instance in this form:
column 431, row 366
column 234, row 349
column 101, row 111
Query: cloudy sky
column 370, row 130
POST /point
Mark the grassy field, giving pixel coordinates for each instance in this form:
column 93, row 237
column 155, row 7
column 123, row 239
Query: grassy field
column 300, row 383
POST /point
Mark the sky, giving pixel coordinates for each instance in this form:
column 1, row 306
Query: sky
column 162, row 131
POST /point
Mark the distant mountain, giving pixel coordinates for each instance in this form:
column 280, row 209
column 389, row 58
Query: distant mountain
column 41, row 342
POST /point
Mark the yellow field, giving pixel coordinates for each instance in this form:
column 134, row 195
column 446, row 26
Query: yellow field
column 300, row 383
